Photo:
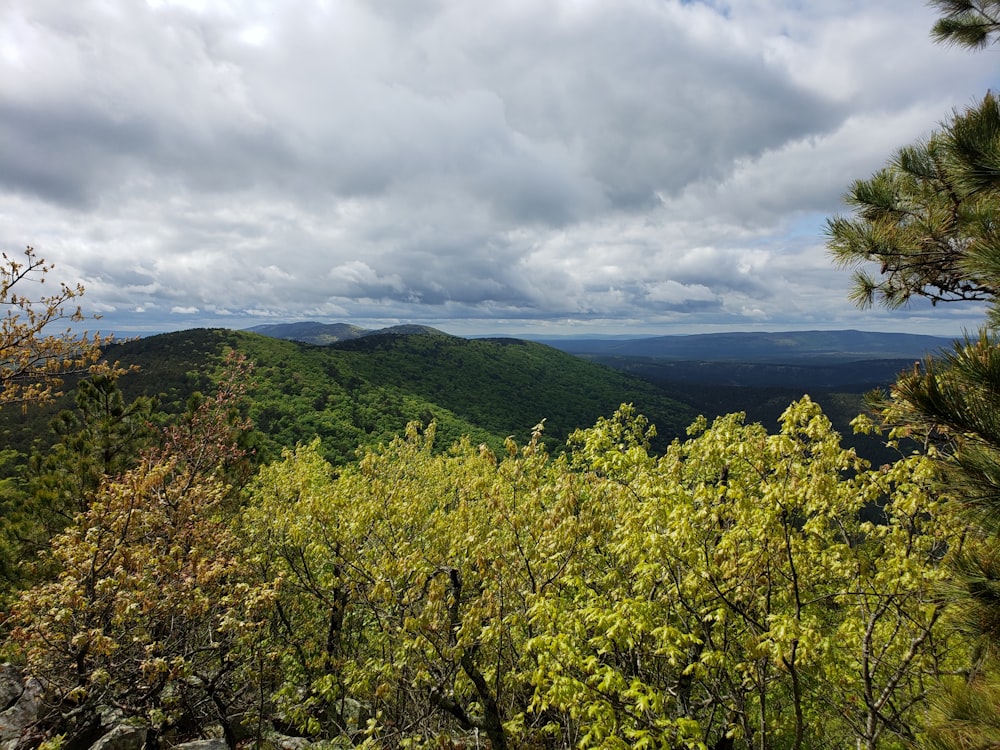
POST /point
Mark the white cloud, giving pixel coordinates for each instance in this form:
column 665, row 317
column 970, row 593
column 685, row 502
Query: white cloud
column 615, row 163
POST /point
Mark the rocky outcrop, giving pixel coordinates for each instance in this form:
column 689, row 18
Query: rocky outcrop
column 22, row 706
column 22, row 703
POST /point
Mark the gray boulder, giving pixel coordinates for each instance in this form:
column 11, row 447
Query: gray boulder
column 22, row 712
column 122, row 737
column 213, row 744
column 11, row 685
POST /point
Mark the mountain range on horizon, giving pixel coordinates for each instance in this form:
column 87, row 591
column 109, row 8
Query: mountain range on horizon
column 312, row 332
column 750, row 346
column 365, row 388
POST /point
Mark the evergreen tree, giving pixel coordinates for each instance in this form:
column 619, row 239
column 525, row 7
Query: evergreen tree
column 102, row 437
column 930, row 220
column 970, row 23
column 99, row 439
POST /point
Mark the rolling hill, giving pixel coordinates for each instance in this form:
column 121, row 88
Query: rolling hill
column 310, row 332
column 365, row 389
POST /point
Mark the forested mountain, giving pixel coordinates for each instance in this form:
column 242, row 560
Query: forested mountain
column 311, row 332
column 365, row 390
column 715, row 374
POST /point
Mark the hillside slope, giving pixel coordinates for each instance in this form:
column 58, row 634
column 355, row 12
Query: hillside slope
column 365, row 390
column 311, row 332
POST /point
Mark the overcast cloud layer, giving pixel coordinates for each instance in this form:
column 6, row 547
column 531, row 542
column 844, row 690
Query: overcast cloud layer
column 520, row 166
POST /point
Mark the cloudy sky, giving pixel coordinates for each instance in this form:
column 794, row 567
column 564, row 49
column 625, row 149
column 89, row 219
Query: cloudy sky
column 511, row 166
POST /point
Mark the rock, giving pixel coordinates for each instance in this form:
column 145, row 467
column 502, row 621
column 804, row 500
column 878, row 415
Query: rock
column 11, row 685
column 214, row 744
column 23, row 713
column 110, row 717
column 122, row 737
column 285, row 742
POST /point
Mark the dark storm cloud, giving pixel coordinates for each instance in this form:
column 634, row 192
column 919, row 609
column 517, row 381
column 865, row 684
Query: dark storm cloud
column 64, row 155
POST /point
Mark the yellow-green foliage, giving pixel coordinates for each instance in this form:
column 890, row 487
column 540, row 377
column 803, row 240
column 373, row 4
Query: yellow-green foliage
column 609, row 598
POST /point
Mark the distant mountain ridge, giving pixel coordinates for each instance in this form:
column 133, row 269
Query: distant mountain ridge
column 782, row 347
column 752, row 346
column 311, row 332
